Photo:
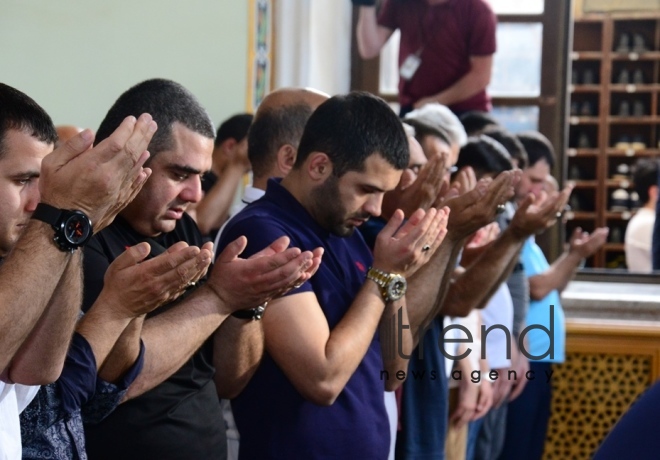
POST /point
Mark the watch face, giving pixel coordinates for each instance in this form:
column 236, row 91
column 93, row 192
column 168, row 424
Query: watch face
column 77, row 229
column 397, row 287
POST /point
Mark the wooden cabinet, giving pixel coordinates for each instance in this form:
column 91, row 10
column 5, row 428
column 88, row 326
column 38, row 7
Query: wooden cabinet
column 614, row 120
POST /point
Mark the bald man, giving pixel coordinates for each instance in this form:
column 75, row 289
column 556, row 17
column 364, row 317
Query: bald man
column 272, row 146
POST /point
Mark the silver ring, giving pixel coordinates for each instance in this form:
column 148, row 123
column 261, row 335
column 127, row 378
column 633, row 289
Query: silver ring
column 500, row 208
column 191, row 284
column 559, row 214
column 426, row 248
column 296, row 286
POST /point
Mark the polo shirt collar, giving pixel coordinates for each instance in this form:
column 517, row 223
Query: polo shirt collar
column 292, row 206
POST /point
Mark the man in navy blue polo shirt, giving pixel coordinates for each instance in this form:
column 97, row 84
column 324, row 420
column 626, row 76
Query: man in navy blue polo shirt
column 318, row 390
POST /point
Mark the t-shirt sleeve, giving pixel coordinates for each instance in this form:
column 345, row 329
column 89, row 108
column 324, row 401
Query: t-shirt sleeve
column 388, row 16
column 533, row 262
column 483, row 32
column 260, row 233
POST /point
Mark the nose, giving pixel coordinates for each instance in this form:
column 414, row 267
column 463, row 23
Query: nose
column 192, row 193
column 33, row 197
column 373, row 205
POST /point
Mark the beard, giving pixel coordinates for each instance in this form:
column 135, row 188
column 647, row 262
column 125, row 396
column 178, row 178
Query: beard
column 330, row 212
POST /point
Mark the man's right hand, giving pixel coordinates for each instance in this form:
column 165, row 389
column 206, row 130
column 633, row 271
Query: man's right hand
column 478, row 207
column 99, row 181
column 403, row 248
column 135, row 287
column 270, row 273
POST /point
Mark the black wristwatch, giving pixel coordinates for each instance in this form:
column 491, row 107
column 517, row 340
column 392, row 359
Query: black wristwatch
column 254, row 314
column 72, row 228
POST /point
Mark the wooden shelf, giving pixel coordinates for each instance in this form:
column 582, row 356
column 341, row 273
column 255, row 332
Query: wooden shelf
column 594, row 37
column 580, row 215
column 633, row 120
column 632, row 152
column 614, row 247
column 584, row 89
column 632, row 88
column 572, row 152
column 576, row 120
column 634, row 57
column 586, row 55
column 583, row 183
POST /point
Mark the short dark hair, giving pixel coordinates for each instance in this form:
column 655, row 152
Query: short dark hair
column 485, row 156
column 538, row 147
column 510, row 143
column 235, row 127
column 18, row 111
column 351, row 128
column 167, row 102
column 644, row 177
column 475, row 121
column 273, row 128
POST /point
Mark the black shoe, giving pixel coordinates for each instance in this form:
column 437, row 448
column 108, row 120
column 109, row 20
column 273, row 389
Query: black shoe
column 624, row 109
column 639, row 44
column 575, row 77
column 624, row 43
column 638, row 77
column 586, row 110
column 624, row 77
column 589, row 77
column 583, row 141
column 575, row 109
column 638, row 109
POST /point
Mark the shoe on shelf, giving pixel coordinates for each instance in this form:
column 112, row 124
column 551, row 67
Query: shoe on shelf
column 622, row 172
column 575, row 108
column 624, row 43
column 589, row 77
column 616, row 235
column 639, row 44
column 638, row 143
column 583, row 141
column 623, row 143
column 624, row 77
column 619, row 200
column 586, row 109
column 575, row 203
column 624, row 109
column 638, row 77
column 575, row 77
column 574, row 173
column 638, row 109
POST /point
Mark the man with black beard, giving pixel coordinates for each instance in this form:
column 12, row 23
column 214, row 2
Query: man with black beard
column 318, row 390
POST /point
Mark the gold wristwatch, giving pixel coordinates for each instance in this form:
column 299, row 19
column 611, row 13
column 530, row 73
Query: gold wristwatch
column 392, row 285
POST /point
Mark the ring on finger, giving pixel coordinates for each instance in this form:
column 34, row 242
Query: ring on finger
column 426, row 248
column 500, row 208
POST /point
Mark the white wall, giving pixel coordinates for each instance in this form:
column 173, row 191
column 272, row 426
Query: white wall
column 75, row 57
column 314, row 44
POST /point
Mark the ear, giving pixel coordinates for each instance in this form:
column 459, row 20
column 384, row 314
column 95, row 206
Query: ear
column 286, row 158
column 407, row 179
column 228, row 145
column 653, row 193
column 318, row 166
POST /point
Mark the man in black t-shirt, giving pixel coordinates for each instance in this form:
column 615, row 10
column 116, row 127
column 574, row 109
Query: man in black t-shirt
column 172, row 409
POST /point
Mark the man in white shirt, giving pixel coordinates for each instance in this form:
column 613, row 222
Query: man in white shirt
column 639, row 233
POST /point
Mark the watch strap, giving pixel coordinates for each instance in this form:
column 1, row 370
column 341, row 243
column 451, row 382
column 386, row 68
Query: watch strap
column 47, row 213
column 254, row 314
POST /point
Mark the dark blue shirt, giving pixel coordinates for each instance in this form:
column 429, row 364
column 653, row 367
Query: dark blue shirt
column 52, row 425
column 273, row 419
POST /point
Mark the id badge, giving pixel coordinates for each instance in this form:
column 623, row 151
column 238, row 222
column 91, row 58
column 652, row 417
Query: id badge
column 410, row 66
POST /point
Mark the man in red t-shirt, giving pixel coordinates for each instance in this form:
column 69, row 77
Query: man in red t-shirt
column 446, row 52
